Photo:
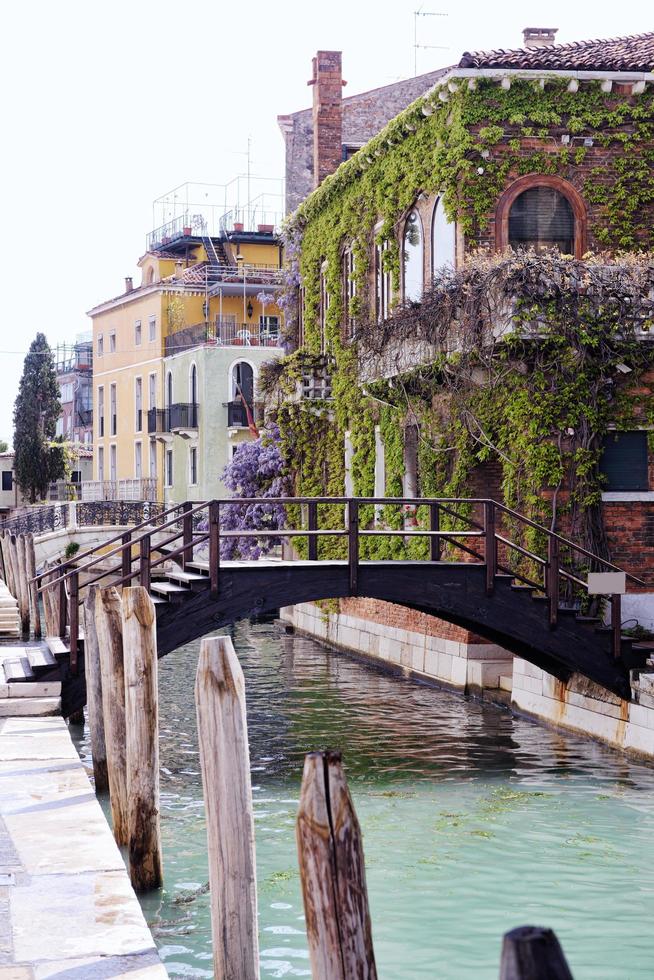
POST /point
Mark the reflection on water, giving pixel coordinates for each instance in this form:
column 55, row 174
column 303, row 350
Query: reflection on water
column 474, row 821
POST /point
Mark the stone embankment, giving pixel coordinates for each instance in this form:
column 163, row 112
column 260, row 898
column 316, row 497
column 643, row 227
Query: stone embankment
column 67, row 908
column 425, row 647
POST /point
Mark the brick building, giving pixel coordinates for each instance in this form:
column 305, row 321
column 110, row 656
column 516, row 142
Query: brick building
column 319, row 139
column 545, row 150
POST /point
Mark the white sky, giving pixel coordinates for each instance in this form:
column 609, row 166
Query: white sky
column 106, row 106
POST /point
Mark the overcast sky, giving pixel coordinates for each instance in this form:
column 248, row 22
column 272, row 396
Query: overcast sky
column 106, row 106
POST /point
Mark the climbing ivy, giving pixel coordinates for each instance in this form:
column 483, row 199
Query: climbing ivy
column 541, row 412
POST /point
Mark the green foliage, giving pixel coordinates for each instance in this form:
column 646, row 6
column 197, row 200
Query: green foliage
column 37, row 461
column 3, row 446
column 521, row 417
column 71, row 550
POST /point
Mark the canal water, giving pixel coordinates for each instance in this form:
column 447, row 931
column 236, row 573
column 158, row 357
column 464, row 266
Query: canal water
column 474, row 821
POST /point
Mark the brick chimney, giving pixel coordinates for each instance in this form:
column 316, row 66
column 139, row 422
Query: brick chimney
column 327, row 84
column 129, row 284
column 539, row 37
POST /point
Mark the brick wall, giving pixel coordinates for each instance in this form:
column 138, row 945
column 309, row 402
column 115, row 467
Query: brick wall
column 603, row 157
column 399, row 617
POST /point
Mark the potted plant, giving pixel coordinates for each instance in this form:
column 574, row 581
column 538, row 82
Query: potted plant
column 238, row 226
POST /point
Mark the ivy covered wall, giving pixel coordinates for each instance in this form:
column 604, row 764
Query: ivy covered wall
column 539, row 414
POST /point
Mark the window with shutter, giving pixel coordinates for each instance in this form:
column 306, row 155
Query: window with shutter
column 624, row 461
column 542, row 217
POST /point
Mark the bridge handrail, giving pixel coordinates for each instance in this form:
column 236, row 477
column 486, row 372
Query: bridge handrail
column 74, row 568
column 566, row 541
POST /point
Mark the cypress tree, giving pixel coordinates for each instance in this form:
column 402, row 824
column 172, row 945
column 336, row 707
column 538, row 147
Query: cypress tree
column 36, row 410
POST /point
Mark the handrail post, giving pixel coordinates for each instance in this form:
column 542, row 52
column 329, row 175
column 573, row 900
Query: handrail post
column 312, row 525
column 491, row 546
column 74, row 621
column 144, row 571
column 126, row 560
column 63, row 606
column 434, row 525
column 353, row 544
column 214, row 547
column 552, row 573
column 616, row 625
column 187, row 531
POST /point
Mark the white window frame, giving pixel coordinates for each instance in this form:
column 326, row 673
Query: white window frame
column 138, row 403
column 112, row 342
column 193, row 455
column 169, row 468
column 138, row 333
column 152, row 329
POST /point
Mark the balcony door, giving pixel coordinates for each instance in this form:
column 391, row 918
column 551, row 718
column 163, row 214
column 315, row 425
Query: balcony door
column 243, row 383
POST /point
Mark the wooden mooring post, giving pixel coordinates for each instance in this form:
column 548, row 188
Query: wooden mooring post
column 108, row 623
column 142, row 731
column 332, row 869
column 35, row 609
column 225, row 764
column 94, row 693
column 533, row 953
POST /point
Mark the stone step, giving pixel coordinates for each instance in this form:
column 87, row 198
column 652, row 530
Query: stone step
column 506, row 683
column 57, row 646
column 40, row 658
column 34, row 689
column 17, row 670
column 29, row 707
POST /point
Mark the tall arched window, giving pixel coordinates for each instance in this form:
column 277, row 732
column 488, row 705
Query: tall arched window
column 169, row 389
column 541, row 218
column 242, row 394
column 443, row 240
column 193, row 385
column 413, row 258
column 541, row 211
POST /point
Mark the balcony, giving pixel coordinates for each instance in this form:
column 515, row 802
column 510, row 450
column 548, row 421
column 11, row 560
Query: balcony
column 237, row 416
column 184, row 418
column 223, row 333
column 179, row 419
column 137, row 489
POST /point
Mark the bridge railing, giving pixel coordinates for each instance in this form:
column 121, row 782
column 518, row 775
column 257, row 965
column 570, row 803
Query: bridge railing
column 475, row 526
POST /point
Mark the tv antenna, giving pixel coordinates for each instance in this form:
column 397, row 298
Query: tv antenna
column 441, row 47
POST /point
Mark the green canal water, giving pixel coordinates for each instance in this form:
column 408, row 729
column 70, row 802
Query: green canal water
column 474, row 821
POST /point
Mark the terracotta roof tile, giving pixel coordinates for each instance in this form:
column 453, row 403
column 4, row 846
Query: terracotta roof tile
column 633, row 53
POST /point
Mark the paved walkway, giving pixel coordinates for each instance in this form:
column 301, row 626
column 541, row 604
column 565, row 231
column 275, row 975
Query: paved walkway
column 67, row 909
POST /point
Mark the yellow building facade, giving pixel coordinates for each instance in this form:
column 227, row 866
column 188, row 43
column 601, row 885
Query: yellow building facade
column 193, row 289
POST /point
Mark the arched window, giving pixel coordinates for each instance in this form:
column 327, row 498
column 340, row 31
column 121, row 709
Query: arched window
column 151, row 274
column 193, row 385
column 541, row 211
column 443, row 239
column 540, row 218
column 413, row 258
column 243, row 382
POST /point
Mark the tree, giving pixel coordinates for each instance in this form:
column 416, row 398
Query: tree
column 257, row 470
column 37, row 462
column 3, row 446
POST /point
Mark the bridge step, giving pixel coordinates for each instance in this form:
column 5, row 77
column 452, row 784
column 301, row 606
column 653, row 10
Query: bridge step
column 40, row 659
column 192, row 579
column 57, row 646
column 202, row 566
column 17, row 669
column 173, row 593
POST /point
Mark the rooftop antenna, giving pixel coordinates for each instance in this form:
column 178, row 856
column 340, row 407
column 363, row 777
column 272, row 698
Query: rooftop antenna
column 423, row 13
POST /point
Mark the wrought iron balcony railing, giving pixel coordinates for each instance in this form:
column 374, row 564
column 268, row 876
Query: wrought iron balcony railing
column 183, row 415
column 237, row 417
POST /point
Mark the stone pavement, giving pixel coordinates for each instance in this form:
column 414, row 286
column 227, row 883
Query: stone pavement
column 67, row 909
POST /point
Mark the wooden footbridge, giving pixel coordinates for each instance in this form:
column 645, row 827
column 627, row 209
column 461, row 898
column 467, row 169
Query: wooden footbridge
column 476, row 573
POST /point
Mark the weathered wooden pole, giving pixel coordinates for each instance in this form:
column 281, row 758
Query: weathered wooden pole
column 533, row 953
column 333, row 874
column 23, row 592
column 94, row 693
column 109, row 627
column 35, row 609
column 142, row 728
column 3, row 571
column 49, row 612
column 6, row 558
column 225, row 765
column 11, row 563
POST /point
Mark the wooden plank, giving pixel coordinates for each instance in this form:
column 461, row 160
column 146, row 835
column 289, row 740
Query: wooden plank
column 332, row 870
column 142, row 730
column 35, row 608
column 108, row 623
column 533, row 953
column 94, row 693
column 225, row 765
column 24, row 597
